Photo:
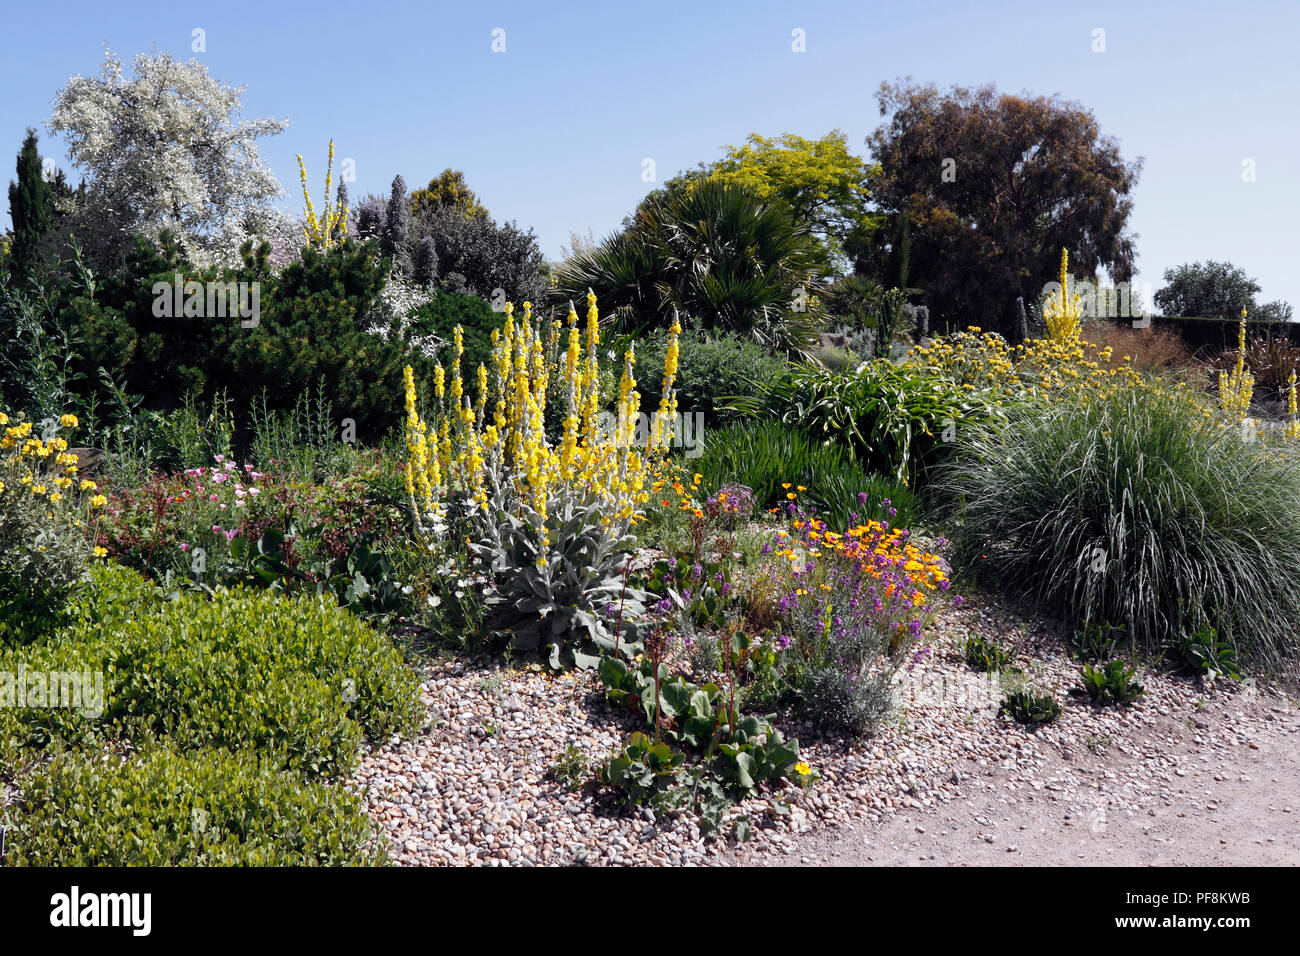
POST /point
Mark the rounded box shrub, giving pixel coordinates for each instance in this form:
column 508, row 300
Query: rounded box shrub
column 245, row 669
column 161, row 807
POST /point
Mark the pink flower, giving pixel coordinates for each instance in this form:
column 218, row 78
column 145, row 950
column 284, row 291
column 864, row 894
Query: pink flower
column 185, row 545
column 231, row 534
column 221, row 458
column 212, row 498
column 216, row 528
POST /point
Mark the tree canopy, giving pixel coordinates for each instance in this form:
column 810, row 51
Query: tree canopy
column 448, row 190
column 163, row 150
column 993, row 186
column 822, row 182
column 1215, row 290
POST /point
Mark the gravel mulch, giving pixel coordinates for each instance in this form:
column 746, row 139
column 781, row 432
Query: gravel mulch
column 475, row 786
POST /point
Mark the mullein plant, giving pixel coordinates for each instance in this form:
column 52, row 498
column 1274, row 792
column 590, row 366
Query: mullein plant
column 332, row 226
column 1236, row 388
column 1291, row 430
column 547, row 518
column 1061, row 311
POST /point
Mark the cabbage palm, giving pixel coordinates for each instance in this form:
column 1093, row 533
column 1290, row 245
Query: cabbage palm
column 715, row 252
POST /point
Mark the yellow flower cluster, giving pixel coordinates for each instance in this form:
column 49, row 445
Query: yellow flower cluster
column 42, row 467
column 323, row 231
column 1291, row 430
column 1237, row 388
column 1061, row 311
column 499, row 439
column 1068, row 368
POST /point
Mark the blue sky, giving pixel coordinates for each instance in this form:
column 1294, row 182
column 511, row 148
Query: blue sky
column 553, row 132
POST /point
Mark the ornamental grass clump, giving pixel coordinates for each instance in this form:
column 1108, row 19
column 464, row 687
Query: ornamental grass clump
column 547, row 514
column 1139, row 510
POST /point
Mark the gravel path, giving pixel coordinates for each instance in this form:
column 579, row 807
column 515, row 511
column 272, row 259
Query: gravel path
column 946, row 781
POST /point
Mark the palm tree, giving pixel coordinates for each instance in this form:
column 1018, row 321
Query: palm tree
column 712, row 251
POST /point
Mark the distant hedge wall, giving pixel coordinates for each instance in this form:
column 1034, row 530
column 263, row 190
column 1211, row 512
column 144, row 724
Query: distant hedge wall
column 1206, row 336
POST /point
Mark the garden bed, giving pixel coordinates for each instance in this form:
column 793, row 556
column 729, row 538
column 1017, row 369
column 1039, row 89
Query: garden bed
column 478, row 784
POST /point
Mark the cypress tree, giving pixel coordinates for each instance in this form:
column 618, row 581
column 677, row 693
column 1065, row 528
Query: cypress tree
column 397, row 228
column 31, row 206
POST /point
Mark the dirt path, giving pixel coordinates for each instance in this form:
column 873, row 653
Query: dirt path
column 1231, row 799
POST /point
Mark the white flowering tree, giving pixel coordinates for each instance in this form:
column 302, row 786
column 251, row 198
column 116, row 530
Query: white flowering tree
column 163, row 150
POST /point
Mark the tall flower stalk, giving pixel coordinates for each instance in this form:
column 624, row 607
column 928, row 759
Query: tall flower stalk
column 332, row 225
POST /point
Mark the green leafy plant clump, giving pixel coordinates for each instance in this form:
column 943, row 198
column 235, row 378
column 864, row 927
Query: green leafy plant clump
column 896, row 421
column 1113, row 683
column 1202, row 653
column 985, row 655
column 1028, row 707
column 703, row 753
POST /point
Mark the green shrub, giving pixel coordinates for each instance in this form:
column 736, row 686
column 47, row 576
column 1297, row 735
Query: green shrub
column 446, row 310
column 163, row 808
column 709, row 368
column 764, row 456
column 246, row 670
column 312, row 327
column 1141, row 511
